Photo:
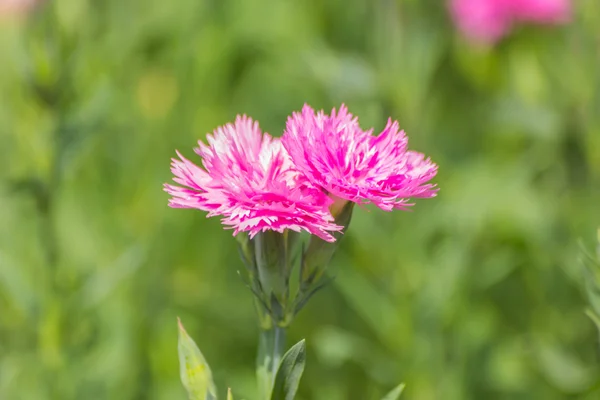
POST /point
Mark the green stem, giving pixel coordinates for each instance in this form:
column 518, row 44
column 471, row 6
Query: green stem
column 270, row 351
column 278, row 348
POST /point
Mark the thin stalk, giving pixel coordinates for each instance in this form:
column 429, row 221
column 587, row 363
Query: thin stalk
column 271, row 347
column 278, row 348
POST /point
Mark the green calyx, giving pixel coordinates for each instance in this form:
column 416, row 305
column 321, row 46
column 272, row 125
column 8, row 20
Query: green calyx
column 318, row 254
column 270, row 259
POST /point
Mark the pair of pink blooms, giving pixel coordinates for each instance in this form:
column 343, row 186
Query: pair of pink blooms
column 257, row 182
column 489, row 20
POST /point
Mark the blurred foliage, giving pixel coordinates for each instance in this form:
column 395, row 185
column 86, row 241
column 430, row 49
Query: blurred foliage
column 592, row 282
column 476, row 294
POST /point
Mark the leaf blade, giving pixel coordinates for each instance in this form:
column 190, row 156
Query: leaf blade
column 395, row 393
column 193, row 368
column 289, row 373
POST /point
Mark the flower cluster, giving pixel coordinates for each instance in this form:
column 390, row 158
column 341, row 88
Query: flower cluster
column 256, row 182
column 489, row 20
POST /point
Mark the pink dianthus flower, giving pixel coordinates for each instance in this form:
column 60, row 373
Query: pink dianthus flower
column 249, row 180
column 333, row 152
column 16, row 7
column 489, row 20
column 542, row 11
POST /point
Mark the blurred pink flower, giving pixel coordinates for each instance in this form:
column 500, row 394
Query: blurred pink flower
column 349, row 163
column 542, row 11
column 249, row 180
column 482, row 20
column 16, row 7
column 489, row 20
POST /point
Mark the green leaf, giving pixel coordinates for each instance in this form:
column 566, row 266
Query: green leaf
column 395, row 393
column 193, row 368
column 289, row 373
column 229, row 394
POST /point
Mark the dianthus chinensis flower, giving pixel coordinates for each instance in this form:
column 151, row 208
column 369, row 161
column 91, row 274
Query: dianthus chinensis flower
column 248, row 179
column 489, row 20
column 17, row 7
column 333, row 152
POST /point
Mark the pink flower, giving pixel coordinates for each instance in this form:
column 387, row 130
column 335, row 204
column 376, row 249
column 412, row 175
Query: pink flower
column 489, row 20
column 482, row 20
column 249, row 180
column 333, row 152
column 17, row 7
column 542, row 11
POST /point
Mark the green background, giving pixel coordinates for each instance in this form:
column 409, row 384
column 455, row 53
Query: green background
column 474, row 294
